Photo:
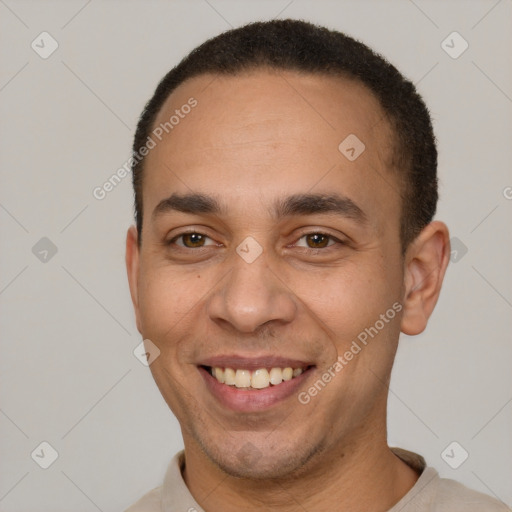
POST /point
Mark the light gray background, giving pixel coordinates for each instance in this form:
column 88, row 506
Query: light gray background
column 68, row 374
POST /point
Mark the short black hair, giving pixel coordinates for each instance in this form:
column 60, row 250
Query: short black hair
column 296, row 45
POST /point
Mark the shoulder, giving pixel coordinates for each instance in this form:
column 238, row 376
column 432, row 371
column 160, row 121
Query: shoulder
column 452, row 496
column 437, row 494
column 150, row 502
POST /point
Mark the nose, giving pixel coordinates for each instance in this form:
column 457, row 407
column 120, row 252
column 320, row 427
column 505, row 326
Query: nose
column 250, row 296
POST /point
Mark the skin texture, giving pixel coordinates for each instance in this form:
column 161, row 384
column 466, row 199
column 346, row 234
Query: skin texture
column 253, row 139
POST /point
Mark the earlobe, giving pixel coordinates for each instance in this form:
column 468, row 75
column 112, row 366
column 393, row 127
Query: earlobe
column 426, row 261
column 132, row 269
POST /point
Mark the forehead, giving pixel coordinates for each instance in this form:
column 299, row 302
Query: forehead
column 263, row 134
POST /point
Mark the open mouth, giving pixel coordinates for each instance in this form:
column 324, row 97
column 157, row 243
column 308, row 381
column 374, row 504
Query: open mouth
column 261, row 378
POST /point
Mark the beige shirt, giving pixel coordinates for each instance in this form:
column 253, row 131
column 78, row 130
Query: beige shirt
column 430, row 493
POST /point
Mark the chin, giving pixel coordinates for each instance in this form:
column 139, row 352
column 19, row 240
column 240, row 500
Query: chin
column 261, row 461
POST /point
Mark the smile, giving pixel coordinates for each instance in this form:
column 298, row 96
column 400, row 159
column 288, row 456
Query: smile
column 253, row 384
column 260, row 378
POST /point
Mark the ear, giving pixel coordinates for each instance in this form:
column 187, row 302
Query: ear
column 426, row 261
column 132, row 268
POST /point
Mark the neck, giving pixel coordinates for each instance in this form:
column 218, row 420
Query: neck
column 363, row 475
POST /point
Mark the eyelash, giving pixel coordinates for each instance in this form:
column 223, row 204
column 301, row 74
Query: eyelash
column 332, row 238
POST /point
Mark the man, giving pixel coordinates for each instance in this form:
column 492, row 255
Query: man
column 285, row 185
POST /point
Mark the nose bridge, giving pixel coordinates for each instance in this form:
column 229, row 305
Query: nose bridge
column 251, row 295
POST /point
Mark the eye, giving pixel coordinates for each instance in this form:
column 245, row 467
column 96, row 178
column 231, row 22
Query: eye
column 316, row 241
column 192, row 240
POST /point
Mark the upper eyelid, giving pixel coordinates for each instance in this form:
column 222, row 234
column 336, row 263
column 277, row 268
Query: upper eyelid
column 335, row 239
column 176, row 237
column 302, row 235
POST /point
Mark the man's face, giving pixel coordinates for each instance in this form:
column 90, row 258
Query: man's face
column 270, row 279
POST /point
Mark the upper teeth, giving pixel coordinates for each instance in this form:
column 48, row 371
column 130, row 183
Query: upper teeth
column 257, row 379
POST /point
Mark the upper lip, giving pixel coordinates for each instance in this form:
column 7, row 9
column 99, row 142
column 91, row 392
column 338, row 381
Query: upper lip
column 253, row 363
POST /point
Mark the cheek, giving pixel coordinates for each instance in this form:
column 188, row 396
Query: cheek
column 167, row 297
column 169, row 303
column 345, row 299
column 357, row 309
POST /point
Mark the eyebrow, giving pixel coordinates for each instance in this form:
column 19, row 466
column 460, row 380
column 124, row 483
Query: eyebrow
column 294, row 205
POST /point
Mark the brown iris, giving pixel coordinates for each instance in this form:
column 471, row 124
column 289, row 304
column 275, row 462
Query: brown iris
column 193, row 240
column 317, row 240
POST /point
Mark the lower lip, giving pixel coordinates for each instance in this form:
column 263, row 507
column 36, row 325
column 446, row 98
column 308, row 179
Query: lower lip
column 252, row 400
